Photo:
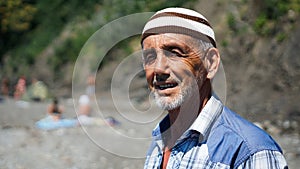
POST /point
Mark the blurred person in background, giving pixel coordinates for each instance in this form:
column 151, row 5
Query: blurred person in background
column 84, row 111
column 54, row 110
column 20, row 88
column 90, row 89
column 37, row 91
column 5, row 87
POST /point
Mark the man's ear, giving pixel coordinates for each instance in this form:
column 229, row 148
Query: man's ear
column 212, row 61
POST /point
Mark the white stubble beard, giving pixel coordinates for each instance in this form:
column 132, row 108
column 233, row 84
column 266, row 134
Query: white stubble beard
column 167, row 103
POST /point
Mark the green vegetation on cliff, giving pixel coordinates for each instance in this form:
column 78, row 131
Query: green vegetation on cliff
column 56, row 30
column 28, row 27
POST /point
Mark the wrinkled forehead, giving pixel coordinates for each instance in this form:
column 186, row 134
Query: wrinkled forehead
column 170, row 39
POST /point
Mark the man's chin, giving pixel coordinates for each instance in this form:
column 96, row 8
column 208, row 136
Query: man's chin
column 168, row 102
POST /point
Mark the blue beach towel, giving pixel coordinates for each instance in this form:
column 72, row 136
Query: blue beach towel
column 48, row 123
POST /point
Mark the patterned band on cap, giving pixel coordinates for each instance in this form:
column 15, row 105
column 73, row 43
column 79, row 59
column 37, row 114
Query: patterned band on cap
column 179, row 20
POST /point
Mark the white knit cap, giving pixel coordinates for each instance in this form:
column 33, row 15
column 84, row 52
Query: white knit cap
column 180, row 20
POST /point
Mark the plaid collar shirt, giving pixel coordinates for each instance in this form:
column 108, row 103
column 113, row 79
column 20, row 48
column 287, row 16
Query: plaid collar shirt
column 191, row 150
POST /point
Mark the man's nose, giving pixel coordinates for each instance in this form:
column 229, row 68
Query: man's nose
column 161, row 68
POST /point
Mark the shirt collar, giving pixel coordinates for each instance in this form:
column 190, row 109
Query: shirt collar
column 162, row 126
column 202, row 124
column 207, row 117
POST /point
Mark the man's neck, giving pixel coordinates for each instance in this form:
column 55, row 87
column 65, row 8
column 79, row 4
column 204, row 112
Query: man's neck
column 183, row 117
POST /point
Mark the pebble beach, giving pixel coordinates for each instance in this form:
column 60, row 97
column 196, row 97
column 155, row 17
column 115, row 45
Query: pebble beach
column 24, row 146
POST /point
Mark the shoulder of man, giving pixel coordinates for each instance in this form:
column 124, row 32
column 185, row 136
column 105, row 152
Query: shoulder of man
column 233, row 139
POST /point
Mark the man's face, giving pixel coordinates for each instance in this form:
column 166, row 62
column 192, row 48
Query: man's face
column 173, row 67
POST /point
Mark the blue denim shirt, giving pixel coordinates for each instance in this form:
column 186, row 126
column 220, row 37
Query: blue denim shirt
column 218, row 139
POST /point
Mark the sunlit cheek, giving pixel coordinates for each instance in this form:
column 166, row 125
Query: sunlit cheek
column 195, row 65
column 149, row 76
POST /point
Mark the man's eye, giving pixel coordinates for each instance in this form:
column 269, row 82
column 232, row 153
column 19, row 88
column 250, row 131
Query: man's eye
column 149, row 57
column 174, row 53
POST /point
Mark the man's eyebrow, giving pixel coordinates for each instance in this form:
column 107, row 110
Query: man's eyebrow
column 150, row 50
